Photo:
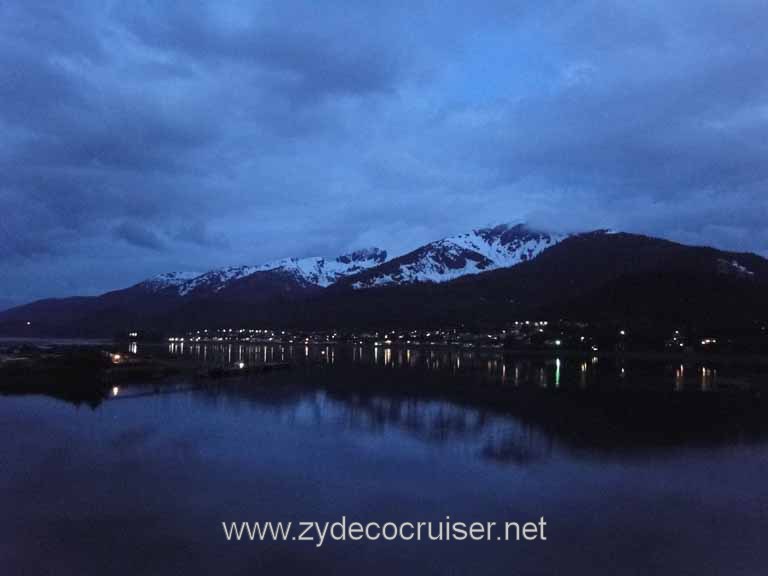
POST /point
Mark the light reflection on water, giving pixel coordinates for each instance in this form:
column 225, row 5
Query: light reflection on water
column 640, row 487
column 496, row 366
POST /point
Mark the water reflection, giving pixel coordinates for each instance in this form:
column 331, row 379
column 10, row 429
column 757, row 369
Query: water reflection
column 570, row 400
column 569, row 373
column 393, row 433
column 473, row 431
column 326, row 439
column 498, row 407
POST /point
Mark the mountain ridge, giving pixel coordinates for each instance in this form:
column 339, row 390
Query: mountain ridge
column 317, row 270
column 599, row 274
column 478, row 251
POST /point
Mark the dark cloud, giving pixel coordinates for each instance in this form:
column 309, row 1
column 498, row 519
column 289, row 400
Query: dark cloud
column 197, row 233
column 304, row 62
column 142, row 137
column 139, row 236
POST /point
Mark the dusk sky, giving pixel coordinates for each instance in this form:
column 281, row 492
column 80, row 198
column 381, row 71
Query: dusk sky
column 144, row 137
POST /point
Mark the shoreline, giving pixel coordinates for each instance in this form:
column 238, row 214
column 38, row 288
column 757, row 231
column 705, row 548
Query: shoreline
column 747, row 358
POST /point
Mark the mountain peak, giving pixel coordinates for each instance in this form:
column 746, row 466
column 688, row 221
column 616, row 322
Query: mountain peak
column 500, row 229
column 375, row 254
column 477, row 251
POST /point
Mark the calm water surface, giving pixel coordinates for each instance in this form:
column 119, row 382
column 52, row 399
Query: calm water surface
column 670, row 480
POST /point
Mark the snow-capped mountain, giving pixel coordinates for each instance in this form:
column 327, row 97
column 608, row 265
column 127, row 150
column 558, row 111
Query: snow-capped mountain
column 508, row 272
column 478, row 251
column 312, row 271
column 168, row 280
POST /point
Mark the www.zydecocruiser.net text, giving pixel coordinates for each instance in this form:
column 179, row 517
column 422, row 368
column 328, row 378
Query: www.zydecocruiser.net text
column 344, row 530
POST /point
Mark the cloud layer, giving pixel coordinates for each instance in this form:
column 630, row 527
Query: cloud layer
column 143, row 137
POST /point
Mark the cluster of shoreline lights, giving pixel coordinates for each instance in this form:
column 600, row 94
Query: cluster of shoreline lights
column 678, row 341
column 283, row 336
column 410, row 337
column 430, row 337
column 321, row 341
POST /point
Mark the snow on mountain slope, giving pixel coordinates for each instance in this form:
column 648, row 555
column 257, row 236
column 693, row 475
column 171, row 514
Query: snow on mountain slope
column 168, row 280
column 316, row 271
column 324, row 272
column 733, row 267
column 216, row 280
column 478, row 251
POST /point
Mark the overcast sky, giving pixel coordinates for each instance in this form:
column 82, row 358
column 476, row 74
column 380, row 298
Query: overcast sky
column 143, row 137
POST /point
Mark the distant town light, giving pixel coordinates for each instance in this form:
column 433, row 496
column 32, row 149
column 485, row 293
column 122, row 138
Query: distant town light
column 115, row 390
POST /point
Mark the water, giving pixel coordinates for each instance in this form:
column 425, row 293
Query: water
column 502, row 368
column 645, row 473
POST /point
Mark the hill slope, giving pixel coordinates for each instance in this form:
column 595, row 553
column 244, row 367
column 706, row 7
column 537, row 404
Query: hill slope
column 593, row 276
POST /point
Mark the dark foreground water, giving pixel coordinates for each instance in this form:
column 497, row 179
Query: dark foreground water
column 641, row 472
